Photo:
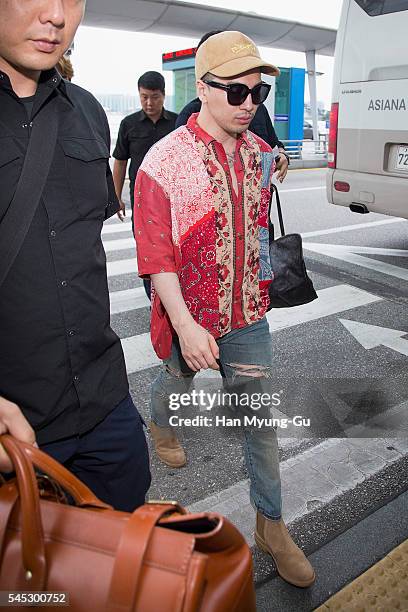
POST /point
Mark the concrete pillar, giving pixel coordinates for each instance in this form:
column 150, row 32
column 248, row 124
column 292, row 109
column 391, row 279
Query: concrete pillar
column 311, row 72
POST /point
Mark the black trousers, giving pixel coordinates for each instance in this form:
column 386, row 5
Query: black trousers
column 112, row 459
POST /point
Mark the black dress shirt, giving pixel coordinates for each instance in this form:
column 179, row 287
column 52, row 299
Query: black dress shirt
column 261, row 124
column 137, row 133
column 60, row 361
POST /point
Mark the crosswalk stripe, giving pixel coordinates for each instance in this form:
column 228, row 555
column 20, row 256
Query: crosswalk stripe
column 114, row 228
column 321, row 474
column 139, row 353
column 122, row 244
column 340, row 298
column 331, row 300
column 121, row 266
column 319, row 188
column 347, row 228
column 129, row 299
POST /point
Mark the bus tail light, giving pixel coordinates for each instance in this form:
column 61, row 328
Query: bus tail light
column 334, row 121
column 342, row 186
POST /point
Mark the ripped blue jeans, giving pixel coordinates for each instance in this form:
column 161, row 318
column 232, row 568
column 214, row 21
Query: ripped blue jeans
column 245, row 363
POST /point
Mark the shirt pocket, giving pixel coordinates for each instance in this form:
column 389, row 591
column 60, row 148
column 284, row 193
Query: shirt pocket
column 139, row 144
column 11, row 160
column 85, row 164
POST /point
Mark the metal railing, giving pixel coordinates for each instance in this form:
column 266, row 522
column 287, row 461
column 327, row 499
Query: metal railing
column 307, row 149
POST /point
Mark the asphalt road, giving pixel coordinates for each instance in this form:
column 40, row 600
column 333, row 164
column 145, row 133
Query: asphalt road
column 340, row 362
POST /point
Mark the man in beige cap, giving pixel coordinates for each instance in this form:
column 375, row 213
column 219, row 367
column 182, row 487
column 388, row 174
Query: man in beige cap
column 201, row 209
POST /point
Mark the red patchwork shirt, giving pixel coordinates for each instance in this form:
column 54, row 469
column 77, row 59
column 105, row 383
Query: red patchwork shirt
column 189, row 220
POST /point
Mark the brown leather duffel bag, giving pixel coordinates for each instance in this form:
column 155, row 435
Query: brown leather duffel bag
column 157, row 559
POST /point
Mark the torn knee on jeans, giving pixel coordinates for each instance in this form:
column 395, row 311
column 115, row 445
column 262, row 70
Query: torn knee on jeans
column 176, row 373
column 252, row 371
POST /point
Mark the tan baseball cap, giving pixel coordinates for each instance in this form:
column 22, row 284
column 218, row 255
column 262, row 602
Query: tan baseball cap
column 228, row 54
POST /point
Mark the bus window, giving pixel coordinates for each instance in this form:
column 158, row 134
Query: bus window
column 382, row 7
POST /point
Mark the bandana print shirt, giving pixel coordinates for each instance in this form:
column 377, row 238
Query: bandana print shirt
column 189, row 220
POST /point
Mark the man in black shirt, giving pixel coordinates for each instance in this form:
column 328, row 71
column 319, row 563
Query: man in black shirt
column 63, row 380
column 140, row 131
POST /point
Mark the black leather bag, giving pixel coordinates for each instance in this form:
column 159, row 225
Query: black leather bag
column 291, row 285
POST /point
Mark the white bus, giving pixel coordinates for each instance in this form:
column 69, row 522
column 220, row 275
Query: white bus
column 368, row 137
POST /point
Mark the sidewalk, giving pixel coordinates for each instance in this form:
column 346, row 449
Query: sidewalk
column 383, row 587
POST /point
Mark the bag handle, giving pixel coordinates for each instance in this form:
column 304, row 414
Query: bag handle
column 131, row 551
column 274, row 189
column 23, row 456
column 81, row 494
column 33, row 549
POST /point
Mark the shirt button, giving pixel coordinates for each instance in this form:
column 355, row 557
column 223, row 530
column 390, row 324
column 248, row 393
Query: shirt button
column 71, row 333
column 24, row 125
column 53, row 233
column 76, row 379
column 64, row 283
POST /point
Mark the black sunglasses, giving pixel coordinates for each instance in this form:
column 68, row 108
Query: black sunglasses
column 237, row 93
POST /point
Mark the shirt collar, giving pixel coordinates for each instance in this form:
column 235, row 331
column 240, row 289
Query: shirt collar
column 142, row 115
column 207, row 138
column 50, row 79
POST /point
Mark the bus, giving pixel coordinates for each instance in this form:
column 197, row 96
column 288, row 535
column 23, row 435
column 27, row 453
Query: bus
column 368, row 135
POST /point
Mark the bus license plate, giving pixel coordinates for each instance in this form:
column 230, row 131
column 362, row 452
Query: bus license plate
column 402, row 158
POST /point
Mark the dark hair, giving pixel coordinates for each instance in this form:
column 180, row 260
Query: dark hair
column 151, row 80
column 207, row 36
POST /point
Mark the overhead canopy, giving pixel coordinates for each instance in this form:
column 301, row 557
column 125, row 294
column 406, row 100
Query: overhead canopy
column 193, row 20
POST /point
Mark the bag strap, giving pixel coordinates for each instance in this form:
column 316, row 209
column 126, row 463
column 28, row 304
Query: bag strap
column 130, row 554
column 32, row 536
column 37, row 163
column 274, row 189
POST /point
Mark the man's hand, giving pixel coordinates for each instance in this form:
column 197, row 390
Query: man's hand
column 198, row 347
column 122, row 211
column 282, row 167
column 119, row 173
column 13, row 421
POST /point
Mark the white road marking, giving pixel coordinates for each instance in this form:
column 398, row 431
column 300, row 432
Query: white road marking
column 376, row 251
column 140, row 355
column 114, row 228
column 122, row 266
column 350, row 255
column 349, row 228
column 319, row 474
column 330, row 301
column 321, row 187
column 129, row 299
column 372, row 336
column 122, row 244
